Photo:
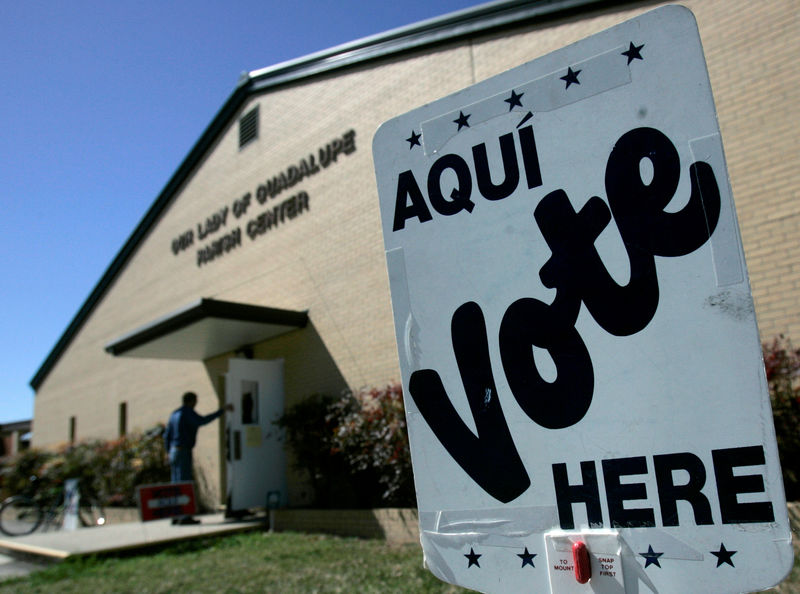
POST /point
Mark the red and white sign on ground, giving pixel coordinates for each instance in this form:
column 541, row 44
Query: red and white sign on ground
column 577, row 337
column 166, row 500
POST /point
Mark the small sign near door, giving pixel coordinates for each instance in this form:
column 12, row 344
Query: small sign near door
column 166, row 500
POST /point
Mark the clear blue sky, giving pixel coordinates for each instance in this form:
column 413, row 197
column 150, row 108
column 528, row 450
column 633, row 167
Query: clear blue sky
column 99, row 103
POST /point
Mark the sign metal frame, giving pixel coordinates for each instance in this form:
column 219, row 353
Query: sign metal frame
column 577, row 338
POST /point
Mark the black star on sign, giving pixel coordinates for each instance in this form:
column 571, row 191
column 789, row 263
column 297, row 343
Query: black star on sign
column 723, row 555
column 413, row 140
column 514, row 100
column 473, row 558
column 571, row 77
column 633, row 53
column 527, row 558
column 651, row 557
column 462, row 120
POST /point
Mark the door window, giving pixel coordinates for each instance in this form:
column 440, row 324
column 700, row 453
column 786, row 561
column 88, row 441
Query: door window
column 249, row 404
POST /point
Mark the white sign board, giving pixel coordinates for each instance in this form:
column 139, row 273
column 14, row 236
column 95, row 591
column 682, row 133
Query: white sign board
column 576, row 333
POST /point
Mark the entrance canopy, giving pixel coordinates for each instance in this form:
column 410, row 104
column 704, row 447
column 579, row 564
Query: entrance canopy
column 206, row 328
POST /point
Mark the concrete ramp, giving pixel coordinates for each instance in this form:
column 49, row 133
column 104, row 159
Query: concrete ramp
column 61, row 544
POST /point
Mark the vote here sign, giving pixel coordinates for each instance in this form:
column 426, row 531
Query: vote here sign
column 576, row 334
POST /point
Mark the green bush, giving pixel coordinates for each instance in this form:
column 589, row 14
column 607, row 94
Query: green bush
column 782, row 364
column 354, row 448
column 130, row 461
column 17, row 471
column 109, row 471
column 309, row 435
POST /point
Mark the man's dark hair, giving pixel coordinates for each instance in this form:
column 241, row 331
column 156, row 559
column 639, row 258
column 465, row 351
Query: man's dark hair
column 189, row 398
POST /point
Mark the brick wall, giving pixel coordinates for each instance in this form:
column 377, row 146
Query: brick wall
column 330, row 260
column 396, row 525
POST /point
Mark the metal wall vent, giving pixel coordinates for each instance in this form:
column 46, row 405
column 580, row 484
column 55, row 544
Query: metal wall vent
column 248, row 127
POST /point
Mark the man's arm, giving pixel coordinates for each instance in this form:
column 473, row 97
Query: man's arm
column 201, row 420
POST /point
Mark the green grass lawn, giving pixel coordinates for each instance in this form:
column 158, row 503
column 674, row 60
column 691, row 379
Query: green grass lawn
column 252, row 562
column 256, row 562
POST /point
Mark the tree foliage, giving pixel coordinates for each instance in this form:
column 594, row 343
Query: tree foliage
column 108, row 470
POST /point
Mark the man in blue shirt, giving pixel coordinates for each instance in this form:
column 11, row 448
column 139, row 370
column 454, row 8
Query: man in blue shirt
column 180, row 437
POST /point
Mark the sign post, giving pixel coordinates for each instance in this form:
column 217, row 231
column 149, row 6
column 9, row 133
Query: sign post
column 72, row 499
column 585, row 394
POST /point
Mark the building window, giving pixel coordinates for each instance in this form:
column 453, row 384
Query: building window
column 73, row 428
column 248, row 127
column 123, row 418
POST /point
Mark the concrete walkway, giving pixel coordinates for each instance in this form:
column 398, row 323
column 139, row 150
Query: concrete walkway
column 34, row 551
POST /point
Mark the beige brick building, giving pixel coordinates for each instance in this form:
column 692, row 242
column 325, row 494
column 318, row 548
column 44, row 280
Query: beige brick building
column 276, row 208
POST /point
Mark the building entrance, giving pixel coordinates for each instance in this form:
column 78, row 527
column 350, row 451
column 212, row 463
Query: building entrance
column 255, row 457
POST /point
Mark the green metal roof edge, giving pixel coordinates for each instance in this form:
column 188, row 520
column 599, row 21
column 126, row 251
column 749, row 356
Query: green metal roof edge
column 481, row 19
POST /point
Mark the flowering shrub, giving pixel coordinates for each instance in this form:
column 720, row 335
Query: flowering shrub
column 370, row 432
column 354, row 447
column 782, row 364
column 109, row 471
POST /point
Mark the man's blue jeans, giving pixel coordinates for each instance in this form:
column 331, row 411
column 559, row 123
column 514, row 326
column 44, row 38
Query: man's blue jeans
column 180, row 462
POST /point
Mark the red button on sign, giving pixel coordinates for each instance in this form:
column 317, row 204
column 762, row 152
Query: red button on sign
column 580, row 559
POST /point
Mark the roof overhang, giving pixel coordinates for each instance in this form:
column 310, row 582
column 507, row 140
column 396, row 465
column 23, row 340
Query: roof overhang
column 206, row 328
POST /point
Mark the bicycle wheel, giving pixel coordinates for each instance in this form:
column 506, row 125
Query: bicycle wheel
column 91, row 513
column 19, row 515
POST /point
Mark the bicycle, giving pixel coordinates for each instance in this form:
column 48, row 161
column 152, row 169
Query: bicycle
column 23, row 514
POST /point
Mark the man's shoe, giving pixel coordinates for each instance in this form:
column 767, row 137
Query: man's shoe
column 188, row 521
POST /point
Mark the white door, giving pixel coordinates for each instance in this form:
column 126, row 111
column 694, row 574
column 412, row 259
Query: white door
column 256, row 461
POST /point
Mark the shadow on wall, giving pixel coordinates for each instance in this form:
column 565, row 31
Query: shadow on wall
column 309, row 367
